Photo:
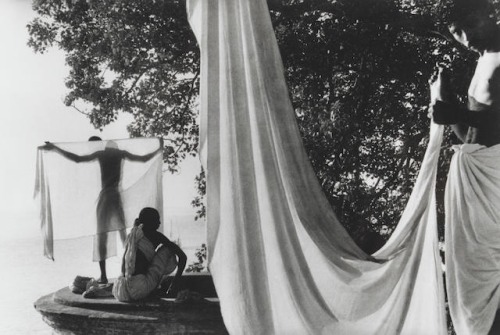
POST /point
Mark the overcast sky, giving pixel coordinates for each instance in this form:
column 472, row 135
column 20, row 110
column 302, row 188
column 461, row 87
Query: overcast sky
column 32, row 111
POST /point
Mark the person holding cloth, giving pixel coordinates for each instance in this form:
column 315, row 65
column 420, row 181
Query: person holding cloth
column 472, row 196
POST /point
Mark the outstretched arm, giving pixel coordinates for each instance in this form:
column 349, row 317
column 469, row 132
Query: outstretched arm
column 143, row 158
column 69, row 155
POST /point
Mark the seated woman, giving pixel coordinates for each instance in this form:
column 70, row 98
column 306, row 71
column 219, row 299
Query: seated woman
column 144, row 264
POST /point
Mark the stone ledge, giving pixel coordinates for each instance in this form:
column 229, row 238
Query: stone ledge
column 70, row 313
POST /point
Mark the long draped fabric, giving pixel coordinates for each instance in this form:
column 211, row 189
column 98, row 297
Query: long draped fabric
column 281, row 261
column 99, row 196
column 472, row 238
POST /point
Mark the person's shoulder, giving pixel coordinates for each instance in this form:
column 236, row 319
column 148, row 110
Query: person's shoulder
column 158, row 236
column 158, row 233
column 490, row 59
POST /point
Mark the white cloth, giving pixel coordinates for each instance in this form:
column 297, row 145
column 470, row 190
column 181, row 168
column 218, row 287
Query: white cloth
column 72, row 198
column 472, row 208
column 281, row 261
column 131, row 245
column 130, row 287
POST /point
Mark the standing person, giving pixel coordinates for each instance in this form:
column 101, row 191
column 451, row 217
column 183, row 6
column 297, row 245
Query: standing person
column 109, row 211
column 144, row 264
column 472, row 198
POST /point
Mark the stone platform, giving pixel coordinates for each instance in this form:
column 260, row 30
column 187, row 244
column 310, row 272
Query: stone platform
column 70, row 313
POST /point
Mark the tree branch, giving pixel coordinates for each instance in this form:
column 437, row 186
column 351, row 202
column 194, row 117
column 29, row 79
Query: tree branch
column 79, row 110
column 186, row 108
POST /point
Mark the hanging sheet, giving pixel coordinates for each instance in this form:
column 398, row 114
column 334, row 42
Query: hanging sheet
column 281, row 261
column 472, row 238
column 75, row 196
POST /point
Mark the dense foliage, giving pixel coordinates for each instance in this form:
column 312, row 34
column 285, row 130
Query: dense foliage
column 137, row 57
column 358, row 74
column 357, row 71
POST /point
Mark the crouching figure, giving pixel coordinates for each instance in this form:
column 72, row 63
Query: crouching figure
column 149, row 255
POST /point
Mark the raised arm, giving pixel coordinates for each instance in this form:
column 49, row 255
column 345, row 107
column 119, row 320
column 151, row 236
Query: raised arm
column 441, row 110
column 71, row 156
column 143, row 158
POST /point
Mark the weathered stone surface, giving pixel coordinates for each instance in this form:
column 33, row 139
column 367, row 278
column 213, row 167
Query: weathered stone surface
column 70, row 313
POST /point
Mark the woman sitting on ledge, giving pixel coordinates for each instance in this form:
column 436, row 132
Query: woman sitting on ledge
column 144, row 264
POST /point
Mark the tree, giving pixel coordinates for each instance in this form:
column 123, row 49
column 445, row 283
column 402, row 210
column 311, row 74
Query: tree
column 137, row 57
column 357, row 71
column 358, row 74
column 201, row 256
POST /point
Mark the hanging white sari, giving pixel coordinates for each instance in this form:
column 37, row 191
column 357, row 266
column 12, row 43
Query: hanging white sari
column 281, row 261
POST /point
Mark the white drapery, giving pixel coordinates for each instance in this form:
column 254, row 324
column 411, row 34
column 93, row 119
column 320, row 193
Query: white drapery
column 70, row 193
column 281, row 261
column 472, row 206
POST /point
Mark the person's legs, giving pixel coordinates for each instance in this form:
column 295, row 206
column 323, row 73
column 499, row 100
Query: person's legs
column 105, row 239
column 163, row 263
column 140, row 286
column 103, row 279
column 101, row 242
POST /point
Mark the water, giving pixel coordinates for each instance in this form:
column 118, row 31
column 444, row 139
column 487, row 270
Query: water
column 27, row 275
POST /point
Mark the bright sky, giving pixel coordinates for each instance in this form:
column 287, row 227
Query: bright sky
column 32, row 111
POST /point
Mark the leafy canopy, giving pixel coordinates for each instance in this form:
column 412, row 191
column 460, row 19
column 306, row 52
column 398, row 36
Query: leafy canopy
column 137, row 57
column 357, row 71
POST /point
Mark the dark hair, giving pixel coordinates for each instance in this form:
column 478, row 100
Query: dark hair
column 147, row 215
column 475, row 17
column 465, row 13
column 95, row 138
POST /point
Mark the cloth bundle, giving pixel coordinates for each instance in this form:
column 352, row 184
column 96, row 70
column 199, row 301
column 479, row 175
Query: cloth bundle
column 89, row 288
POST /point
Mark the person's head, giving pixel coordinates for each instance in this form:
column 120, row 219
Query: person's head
column 149, row 218
column 94, row 138
column 111, row 145
column 471, row 23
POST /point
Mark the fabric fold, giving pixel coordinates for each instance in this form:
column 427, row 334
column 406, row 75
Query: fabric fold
column 472, row 232
column 130, row 286
column 281, row 261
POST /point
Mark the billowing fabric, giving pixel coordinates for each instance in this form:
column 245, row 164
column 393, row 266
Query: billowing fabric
column 472, row 207
column 101, row 194
column 281, row 261
column 130, row 287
